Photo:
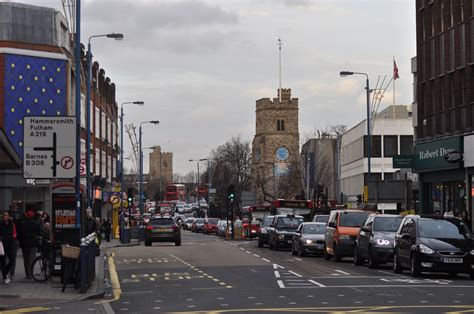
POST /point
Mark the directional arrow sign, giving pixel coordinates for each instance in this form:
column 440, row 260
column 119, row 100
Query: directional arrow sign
column 49, row 147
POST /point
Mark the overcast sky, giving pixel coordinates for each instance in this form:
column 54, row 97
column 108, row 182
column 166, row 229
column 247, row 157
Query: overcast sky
column 201, row 65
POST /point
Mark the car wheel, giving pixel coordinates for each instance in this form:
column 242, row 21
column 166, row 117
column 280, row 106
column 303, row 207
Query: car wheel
column 178, row 243
column 260, row 242
column 270, row 244
column 357, row 260
column 397, row 268
column 301, row 251
column 453, row 274
column 293, row 251
column 147, row 243
column 327, row 256
column 372, row 261
column 275, row 246
column 337, row 256
column 471, row 275
column 414, row 266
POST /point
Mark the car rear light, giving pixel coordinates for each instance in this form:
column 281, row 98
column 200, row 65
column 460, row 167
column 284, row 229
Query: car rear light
column 149, row 227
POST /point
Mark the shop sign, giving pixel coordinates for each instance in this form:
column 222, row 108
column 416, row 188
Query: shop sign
column 431, row 156
column 453, row 157
column 402, row 161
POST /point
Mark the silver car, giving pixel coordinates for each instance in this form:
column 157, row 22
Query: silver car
column 309, row 239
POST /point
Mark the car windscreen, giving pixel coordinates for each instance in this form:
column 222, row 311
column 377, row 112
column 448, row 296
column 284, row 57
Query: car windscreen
column 289, row 222
column 321, row 219
column 267, row 222
column 162, row 222
column 387, row 224
column 212, row 221
column 352, row 219
column 200, row 220
column 314, row 229
column 190, row 220
column 442, row 229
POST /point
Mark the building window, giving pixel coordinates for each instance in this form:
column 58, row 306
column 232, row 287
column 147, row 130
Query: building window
column 406, row 144
column 375, row 147
column 280, row 125
column 390, row 145
column 442, row 16
column 462, row 10
column 432, row 57
column 451, row 13
column 451, row 50
column 472, row 37
column 462, row 48
column 442, row 92
column 452, row 91
column 463, row 87
column 441, row 54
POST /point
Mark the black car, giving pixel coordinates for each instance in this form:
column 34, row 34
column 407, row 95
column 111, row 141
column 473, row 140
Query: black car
column 375, row 240
column 309, row 239
column 263, row 236
column 162, row 229
column 433, row 244
column 282, row 229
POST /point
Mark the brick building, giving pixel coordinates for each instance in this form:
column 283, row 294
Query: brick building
column 443, row 110
column 275, row 147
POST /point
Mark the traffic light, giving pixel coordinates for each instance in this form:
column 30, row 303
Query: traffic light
column 320, row 190
column 359, row 199
column 231, row 193
column 130, row 197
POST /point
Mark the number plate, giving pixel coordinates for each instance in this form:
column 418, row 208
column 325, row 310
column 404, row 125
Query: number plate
column 162, row 230
column 452, row 260
column 288, row 241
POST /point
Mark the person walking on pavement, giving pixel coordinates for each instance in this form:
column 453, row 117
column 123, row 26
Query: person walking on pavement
column 107, row 226
column 29, row 229
column 8, row 238
column 90, row 222
column 15, row 214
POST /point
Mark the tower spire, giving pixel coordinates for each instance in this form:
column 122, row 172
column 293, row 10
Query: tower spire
column 279, row 67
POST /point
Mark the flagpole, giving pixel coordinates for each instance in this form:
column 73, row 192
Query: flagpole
column 393, row 107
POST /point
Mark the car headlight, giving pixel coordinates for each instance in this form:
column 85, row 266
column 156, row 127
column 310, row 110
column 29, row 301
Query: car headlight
column 254, row 231
column 344, row 237
column 425, row 249
column 472, row 252
column 281, row 236
column 382, row 242
column 309, row 241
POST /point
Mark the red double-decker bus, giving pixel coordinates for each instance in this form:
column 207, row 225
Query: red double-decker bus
column 175, row 192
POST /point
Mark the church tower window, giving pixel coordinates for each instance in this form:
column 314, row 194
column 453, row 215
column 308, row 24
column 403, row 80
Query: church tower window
column 280, row 125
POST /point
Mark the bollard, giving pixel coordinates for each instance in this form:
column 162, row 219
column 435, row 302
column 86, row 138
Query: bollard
column 83, row 265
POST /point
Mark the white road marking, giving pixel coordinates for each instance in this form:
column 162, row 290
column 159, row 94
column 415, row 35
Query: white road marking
column 317, row 284
column 157, row 308
column 189, row 299
column 292, row 303
column 256, row 255
column 224, row 304
column 298, row 259
column 259, row 303
column 297, row 275
column 341, row 272
column 220, row 298
column 277, row 274
column 324, row 302
column 310, row 296
column 250, row 297
column 357, row 302
column 190, row 306
column 280, row 284
column 276, row 266
column 266, row 260
column 248, row 252
column 281, row 296
column 158, row 301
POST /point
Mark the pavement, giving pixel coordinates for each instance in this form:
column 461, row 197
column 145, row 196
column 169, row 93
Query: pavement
column 23, row 292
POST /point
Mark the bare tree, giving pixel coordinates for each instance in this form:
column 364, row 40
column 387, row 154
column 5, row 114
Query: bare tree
column 289, row 183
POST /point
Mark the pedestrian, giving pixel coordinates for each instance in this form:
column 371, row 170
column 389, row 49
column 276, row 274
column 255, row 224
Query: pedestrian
column 45, row 218
column 90, row 222
column 15, row 214
column 29, row 230
column 107, row 229
column 8, row 238
column 98, row 231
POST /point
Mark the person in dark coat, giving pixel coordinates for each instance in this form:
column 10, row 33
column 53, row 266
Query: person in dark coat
column 7, row 237
column 29, row 229
column 91, row 225
column 15, row 213
column 107, row 226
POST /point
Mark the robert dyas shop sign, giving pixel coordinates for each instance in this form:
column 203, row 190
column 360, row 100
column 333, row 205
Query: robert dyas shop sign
column 439, row 155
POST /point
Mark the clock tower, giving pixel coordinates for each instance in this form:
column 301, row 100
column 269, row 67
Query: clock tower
column 275, row 147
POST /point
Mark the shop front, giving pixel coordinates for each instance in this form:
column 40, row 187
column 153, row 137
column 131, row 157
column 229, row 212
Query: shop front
column 442, row 176
column 469, row 167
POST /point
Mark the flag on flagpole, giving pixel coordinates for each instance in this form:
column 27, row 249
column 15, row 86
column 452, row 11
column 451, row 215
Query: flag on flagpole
column 395, row 70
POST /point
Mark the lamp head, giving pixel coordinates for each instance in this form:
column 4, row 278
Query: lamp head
column 345, row 73
column 155, row 122
column 140, row 103
column 116, row 36
column 191, row 160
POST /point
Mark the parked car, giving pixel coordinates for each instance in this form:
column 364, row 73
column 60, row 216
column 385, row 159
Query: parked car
column 188, row 224
column 321, row 218
column 375, row 240
column 282, row 230
column 341, row 232
column 162, row 229
column 263, row 236
column 187, row 208
column 309, row 239
column 433, row 244
column 210, row 225
column 198, row 225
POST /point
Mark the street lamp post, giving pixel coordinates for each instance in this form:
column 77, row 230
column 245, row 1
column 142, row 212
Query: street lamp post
column 141, row 164
column 88, row 110
column 197, row 187
column 140, row 103
column 348, row 73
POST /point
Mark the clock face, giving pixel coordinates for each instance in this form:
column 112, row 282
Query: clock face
column 282, row 153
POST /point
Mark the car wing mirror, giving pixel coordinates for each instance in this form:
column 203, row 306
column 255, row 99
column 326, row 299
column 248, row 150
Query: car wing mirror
column 365, row 229
column 332, row 225
column 405, row 236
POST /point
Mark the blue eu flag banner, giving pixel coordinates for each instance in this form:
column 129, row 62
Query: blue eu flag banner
column 33, row 86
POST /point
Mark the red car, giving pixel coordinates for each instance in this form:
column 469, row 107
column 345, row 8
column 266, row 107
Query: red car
column 254, row 228
column 210, row 225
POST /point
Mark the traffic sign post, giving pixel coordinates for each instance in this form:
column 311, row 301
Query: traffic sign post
column 49, row 147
